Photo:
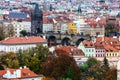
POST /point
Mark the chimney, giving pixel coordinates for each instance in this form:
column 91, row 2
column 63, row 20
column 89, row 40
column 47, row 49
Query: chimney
column 119, row 38
column 44, row 37
column 20, row 67
column 103, row 38
column 25, row 67
column 93, row 40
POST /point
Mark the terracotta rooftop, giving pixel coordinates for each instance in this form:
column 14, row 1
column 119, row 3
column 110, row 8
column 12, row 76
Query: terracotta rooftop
column 110, row 44
column 23, row 40
column 25, row 73
column 70, row 49
column 88, row 44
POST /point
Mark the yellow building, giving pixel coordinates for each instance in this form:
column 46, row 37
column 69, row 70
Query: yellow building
column 72, row 28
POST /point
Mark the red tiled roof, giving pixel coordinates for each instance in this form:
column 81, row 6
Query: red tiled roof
column 25, row 72
column 93, row 23
column 23, row 40
column 88, row 44
column 69, row 49
column 109, row 43
column 110, row 48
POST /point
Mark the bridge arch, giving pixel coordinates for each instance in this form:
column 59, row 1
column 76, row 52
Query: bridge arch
column 52, row 40
column 79, row 41
column 66, row 41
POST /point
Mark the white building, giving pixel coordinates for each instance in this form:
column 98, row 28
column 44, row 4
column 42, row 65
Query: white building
column 19, row 74
column 15, row 44
column 47, row 27
column 81, row 24
column 19, row 26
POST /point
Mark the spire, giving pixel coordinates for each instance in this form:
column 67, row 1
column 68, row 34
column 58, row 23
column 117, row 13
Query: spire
column 79, row 9
column 37, row 10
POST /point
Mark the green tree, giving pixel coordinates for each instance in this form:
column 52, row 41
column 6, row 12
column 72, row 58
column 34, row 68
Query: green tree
column 91, row 62
column 92, row 70
column 33, row 57
column 106, row 64
column 1, row 67
column 110, row 28
column 23, row 32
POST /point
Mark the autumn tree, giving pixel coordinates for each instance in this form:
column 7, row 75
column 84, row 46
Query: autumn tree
column 6, row 31
column 2, row 36
column 10, row 31
column 33, row 57
column 109, row 28
column 92, row 70
column 9, row 60
column 111, row 74
column 61, row 66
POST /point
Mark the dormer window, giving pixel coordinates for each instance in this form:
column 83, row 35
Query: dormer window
column 91, row 44
column 86, row 45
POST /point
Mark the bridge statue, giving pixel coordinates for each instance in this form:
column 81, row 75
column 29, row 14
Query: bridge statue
column 118, row 70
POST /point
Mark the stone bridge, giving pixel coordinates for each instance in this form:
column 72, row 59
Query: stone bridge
column 64, row 39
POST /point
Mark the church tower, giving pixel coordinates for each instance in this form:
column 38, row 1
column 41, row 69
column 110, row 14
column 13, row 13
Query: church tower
column 36, row 21
column 79, row 9
column 51, row 7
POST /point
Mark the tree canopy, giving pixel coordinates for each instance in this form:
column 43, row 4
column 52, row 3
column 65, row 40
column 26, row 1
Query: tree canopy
column 61, row 67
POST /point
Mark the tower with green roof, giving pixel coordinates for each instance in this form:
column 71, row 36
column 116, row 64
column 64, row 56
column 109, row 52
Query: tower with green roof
column 79, row 9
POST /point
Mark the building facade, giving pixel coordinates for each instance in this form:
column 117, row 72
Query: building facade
column 15, row 44
column 19, row 74
column 19, row 26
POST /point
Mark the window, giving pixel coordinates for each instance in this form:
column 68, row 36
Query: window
column 113, row 54
column 101, row 55
column 110, row 54
column 98, row 55
column 97, row 33
column 89, row 50
column 5, row 49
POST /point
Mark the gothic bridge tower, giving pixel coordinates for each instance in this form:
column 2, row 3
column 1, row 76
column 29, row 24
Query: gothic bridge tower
column 36, row 21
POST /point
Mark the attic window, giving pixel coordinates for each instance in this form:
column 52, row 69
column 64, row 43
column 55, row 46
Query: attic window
column 86, row 45
column 91, row 44
column 111, row 50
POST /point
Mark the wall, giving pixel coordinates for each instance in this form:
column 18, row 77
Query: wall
column 17, row 47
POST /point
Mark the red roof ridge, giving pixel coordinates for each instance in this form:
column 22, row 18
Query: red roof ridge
column 23, row 40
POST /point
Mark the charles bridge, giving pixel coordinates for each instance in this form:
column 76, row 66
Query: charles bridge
column 64, row 39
